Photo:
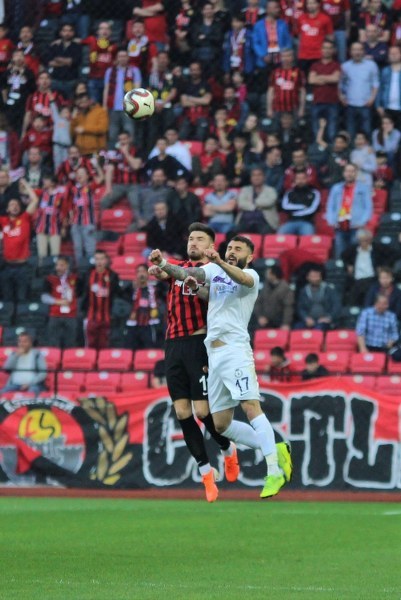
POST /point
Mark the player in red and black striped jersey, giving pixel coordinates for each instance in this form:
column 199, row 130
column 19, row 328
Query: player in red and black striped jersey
column 287, row 90
column 67, row 171
column 186, row 360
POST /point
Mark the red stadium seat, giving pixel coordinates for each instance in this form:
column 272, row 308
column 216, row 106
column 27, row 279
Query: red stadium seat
column 70, row 382
column 393, row 368
column 133, row 243
column 274, row 245
column 145, row 360
column 3, row 378
column 379, row 198
column 262, row 360
column 306, row 340
column 5, row 352
column 335, row 362
column 389, row 384
column 111, row 248
column 125, row 266
column 297, row 360
column 102, row 382
column 131, row 382
column 79, row 358
column 341, row 339
column 195, row 147
column 257, row 240
column 115, row 219
column 265, row 339
column 52, row 357
column 1, row 334
column 368, row 362
column 202, row 192
column 219, row 239
column 366, row 381
column 320, row 245
column 114, row 359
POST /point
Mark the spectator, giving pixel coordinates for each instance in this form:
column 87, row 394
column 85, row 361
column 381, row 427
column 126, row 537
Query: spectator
column 286, row 92
column 27, row 46
column 75, row 14
column 237, row 47
column 183, row 204
column 363, row 157
column 237, row 110
column 60, row 292
column 239, row 161
column 314, row 27
column 99, row 291
column 34, row 169
column 38, row 103
column 361, row 261
column 324, row 76
column 67, row 171
column 251, row 129
column 154, row 16
column 122, row 170
column 163, row 86
column 279, row 368
column 51, row 217
column 195, row 99
column 19, row 83
column 9, row 145
column 340, row 15
column 300, row 161
column 359, row 85
column 390, row 87
column 301, row 204
column 27, row 368
column 8, row 190
column 273, row 169
column 349, row 207
column 102, row 53
column 145, row 196
column 377, row 327
column 6, row 50
column 39, row 135
column 176, row 149
column 270, row 36
column 164, row 232
column 168, row 163
column 82, row 216
column 138, row 48
column 318, row 304
column 119, row 79
column 257, row 206
column 313, row 370
column 206, row 37
column 374, row 13
column 252, row 12
column 64, row 58
column 275, row 304
column 220, row 205
column 385, row 287
column 386, row 138
column 384, row 174
column 290, row 136
column 336, row 156
column 89, row 126
column 374, row 48
column 17, row 228
column 144, row 318
column 209, row 163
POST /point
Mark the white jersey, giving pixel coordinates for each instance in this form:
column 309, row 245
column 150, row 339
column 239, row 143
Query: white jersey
column 230, row 306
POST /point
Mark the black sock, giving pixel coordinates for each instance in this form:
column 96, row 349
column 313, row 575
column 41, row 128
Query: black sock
column 222, row 441
column 194, row 440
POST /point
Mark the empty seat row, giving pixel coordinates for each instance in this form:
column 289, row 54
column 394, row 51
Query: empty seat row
column 385, row 384
column 311, row 340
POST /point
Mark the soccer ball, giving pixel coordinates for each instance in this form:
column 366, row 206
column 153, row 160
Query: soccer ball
column 139, row 104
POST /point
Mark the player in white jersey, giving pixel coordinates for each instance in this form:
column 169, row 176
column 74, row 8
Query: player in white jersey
column 232, row 289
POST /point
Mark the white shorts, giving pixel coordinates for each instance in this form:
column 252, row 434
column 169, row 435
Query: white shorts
column 232, row 377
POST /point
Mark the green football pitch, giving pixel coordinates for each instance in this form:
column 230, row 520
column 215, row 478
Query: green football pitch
column 99, row 549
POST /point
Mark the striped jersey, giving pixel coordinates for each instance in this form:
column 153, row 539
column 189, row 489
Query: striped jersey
column 286, row 85
column 67, row 170
column 186, row 313
column 82, row 204
column 100, row 291
column 51, row 211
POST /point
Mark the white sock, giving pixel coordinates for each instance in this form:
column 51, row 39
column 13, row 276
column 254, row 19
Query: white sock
column 204, row 469
column 267, row 443
column 229, row 451
column 242, row 433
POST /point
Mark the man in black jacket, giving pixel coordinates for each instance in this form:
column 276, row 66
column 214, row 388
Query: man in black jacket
column 301, row 204
column 184, row 205
column 165, row 231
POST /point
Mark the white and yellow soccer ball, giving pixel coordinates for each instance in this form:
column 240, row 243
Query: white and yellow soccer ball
column 139, row 104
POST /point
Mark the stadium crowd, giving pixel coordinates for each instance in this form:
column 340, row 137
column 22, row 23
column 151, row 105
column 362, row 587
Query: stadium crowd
column 277, row 119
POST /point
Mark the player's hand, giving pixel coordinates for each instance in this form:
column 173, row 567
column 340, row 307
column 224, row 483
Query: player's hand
column 191, row 282
column 156, row 257
column 213, row 256
column 155, row 271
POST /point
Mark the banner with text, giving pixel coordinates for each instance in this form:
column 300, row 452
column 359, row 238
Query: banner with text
column 343, row 437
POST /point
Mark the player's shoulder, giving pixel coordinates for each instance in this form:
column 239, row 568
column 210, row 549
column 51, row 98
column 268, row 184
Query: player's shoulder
column 253, row 274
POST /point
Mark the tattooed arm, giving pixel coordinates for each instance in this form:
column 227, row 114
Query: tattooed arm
column 201, row 291
column 176, row 271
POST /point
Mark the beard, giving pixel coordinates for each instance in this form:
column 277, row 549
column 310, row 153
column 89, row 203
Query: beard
column 195, row 254
column 237, row 262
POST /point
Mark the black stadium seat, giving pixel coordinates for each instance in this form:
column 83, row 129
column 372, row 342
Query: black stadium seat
column 6, row 313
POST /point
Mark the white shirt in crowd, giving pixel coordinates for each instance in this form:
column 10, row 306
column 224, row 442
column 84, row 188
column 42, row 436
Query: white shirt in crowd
column 363, row 264
column 24, row 371
column 179, row 151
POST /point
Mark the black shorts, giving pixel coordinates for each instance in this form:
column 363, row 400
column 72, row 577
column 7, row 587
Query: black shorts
column 185, row 361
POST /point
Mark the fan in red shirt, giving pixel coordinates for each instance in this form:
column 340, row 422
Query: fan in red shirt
column 139, row 50
column 51, row 216
column 67, row 171
column 39, row 136
column 17, row 228
column 286, row 91
column 314, row 27
column 210, row 162
column 6, row 49
column 300, row 161
column 38, row 103
column 291, row 11
column 154, row 16
column 102, row 53
column 375, row 14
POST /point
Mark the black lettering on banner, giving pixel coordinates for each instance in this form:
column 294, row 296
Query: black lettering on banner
column 369, row 464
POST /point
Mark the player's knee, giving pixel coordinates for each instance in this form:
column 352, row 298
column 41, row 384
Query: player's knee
column 220, row 424
column 201, row 413
column 251, row 408
column 183, row 411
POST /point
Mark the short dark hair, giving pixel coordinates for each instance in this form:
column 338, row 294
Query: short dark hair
column 204, row 228
column 277, row 271
column 311, row 358
column 277, row 351
column 244, row 240
column 63, row 257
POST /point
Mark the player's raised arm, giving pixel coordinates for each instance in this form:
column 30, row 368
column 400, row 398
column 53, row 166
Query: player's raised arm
column 236, row 273
column 175, row 271
column 201, row 291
